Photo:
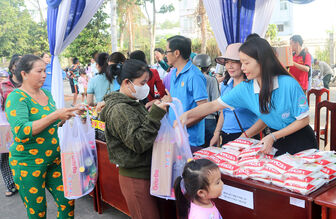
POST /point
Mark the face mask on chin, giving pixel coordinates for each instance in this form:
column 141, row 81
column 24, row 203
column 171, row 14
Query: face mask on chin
column 141, row 92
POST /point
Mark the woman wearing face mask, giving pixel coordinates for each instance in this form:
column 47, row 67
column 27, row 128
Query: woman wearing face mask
column 130, row 132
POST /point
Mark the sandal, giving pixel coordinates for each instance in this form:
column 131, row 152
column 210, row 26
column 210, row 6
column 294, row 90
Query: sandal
column 10, row 193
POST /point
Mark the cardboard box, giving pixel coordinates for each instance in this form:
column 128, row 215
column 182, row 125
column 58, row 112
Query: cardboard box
column 285, row 55
column 71, row 174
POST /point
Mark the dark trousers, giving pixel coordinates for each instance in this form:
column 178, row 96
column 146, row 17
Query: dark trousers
column 300, row 140
column 326, row 81
column 210, row 126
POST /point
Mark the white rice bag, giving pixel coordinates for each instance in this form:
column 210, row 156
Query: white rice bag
column 329, row 170
column 319, row 155
column 272, row 173
column 303, row 171
column 228, row 168
column 305, row 190
column 256, row 173
column 303, row 182
column 217, row 159
column 331, row 178
column 258, row 165
column 242, row 173
column 252, row 151
column 327, row 160
column 284, row 162
column 304, row 153
column 229, row 155
column 278, row 182
column 207, row 152
column 264, row 180
column 249, row 159
column 241, row 143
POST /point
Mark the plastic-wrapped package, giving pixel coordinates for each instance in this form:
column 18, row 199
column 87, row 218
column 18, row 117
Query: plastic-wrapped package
column 303, row 171
column 258, row 165
column 241, row 143
column 266, row 180
column 217, row 159
column 320, row 155
column 207, row 152
column 252, row 151
column 304, row 153
column 249, row 159
column 272, row 173
column 327, row 160
column 228, row 168
column 229, row 155
column 329, row 170
column 278, row 182
column 285, row 162
column 303, row 182
column 242, row 173
column 305, row 190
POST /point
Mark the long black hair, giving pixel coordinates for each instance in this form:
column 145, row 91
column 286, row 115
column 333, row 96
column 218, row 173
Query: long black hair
column 131, row 69
column 270, row 66
column 194, row 177
column 102, row 62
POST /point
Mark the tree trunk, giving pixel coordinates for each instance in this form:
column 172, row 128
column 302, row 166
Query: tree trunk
column 201, row 11
column 114, row 25
column 152, row 41
column 40, row 10
column 121, row 39
column 130, row 30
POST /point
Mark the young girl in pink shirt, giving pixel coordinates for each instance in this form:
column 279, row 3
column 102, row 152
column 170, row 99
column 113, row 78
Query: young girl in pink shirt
column 200, row 182
column 83, row 84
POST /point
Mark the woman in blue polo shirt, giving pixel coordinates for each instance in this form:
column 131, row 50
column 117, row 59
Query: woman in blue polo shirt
column 273, row 95
column 227, row 126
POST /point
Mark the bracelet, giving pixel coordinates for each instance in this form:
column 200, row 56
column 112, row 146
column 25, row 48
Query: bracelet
column 246, row 135
column 274, row 138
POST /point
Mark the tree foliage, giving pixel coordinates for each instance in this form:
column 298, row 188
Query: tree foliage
column 19, row 33
column 93, row 38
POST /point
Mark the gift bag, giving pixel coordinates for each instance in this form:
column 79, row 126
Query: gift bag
column 6, row 136
column 171, row 150
column 79, row 157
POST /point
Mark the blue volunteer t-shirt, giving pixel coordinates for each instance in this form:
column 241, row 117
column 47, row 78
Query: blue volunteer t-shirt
column 100, row 86
column 289, row 101
column 189, row 86
column 245, row 116
column 47, row 82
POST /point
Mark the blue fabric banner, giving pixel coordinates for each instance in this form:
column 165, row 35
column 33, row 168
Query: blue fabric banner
column 53, row 3
column 76, row 10
column 301, row 1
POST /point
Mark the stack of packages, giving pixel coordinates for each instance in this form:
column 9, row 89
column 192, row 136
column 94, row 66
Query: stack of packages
column 303, row 172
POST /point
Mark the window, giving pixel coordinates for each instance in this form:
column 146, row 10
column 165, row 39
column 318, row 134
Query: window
column 280, row 27
column 283, row 5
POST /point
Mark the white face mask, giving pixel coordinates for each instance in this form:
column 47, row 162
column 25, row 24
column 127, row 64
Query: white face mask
column 141, row 92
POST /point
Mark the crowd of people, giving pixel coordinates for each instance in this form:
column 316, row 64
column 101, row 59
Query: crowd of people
column 255, row 97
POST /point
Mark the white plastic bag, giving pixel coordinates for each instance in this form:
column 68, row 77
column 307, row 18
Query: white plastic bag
column 171, row 151
column 79, row 157
column 6, row 136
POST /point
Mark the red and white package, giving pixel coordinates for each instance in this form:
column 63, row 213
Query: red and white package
column 258, row 165
column 266, row 180
column 328, row 170
column 217, row 159
column 304, row 153
column 272, row 173
column 303, row 171
column 284, row 163
column 249, row 159
column 229, row 155
column 303, row 182
column 207, row 152
column 331, row 178
column 320, row 155
column 256, row 173
column 252, row 151
column 278, row 182
column 327, row 160
column 242, row 173
column 241, row 143
column 227, row 168
column 305, row 190
column 269, row 156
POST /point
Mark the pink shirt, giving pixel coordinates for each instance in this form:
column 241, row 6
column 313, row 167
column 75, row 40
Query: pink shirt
column 199, row 212
column 83, row 81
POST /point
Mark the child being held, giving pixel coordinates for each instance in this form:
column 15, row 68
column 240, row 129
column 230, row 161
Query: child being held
column 83, row 84
column 200, row 182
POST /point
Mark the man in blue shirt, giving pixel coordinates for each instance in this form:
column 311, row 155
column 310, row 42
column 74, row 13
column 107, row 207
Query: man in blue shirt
column 188, row 84
column 47, row 83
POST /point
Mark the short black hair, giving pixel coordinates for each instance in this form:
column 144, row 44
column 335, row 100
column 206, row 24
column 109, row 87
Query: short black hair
column 138, row 55
column 297, row 39
column 75, row 60
column 159, row 50
column 181, row 43
column 117, row 57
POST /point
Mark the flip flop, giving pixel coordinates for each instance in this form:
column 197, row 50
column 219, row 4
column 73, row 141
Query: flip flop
column 9, row 193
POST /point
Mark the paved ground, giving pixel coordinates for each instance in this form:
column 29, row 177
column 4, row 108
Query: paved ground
column 12, row 207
